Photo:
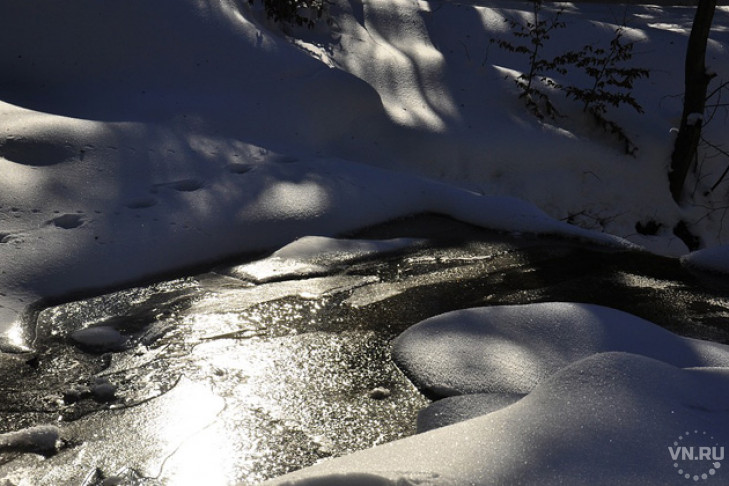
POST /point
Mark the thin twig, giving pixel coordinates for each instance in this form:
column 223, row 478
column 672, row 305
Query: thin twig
column 723, row 152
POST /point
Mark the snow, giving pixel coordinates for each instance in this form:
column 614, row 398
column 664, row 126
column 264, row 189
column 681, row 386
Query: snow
column 316, row 255
column 714, row 260
column 42, row 439
column 135, row 140
column 139, row 138
column 553, row 393
column 458, row 408
column 510, row 349
column 606, row 419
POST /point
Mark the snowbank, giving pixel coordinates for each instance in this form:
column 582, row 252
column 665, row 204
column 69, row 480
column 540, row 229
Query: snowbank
column 607, row 419
column 140, row 138
column 458, row 408
column 510, row 349
column 565, row 394
column 315, row 255
column 171, row 225
column 713, row 260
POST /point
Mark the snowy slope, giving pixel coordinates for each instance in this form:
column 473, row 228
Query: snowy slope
column 129, row 149
column 434, row 67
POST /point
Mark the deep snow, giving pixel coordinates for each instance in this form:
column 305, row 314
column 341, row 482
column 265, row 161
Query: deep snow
column 138, row 138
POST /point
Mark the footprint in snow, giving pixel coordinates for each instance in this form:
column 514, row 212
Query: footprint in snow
column 35, row 153
column 184, row 185
column 237, row 168
column 7, row 237
column 67, row 221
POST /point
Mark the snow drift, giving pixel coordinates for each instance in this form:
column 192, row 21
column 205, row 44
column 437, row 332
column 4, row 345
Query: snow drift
column 590, row 413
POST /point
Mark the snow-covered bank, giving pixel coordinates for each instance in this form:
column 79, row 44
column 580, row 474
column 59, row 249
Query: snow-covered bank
column 175, row 223
column 713, row 260
column 607, row 395
column 139, row 138
column 609, row 419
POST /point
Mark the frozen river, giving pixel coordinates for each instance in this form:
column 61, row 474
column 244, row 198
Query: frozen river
column 254, row 369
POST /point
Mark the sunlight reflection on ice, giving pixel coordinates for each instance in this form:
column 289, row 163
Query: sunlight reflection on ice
column 198, row 447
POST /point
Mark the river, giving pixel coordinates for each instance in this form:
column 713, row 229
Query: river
column 255, row 368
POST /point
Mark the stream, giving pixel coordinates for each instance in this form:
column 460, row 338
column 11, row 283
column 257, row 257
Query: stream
column 252, row 369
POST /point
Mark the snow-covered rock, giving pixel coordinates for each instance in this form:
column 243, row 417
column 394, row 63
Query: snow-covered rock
column 511, row 349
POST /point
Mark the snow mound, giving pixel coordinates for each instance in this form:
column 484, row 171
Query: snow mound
column 611, row 418
column 315, row 255
column 714, row 260
column 99, row 338
column 511, row 349
column 323, row 248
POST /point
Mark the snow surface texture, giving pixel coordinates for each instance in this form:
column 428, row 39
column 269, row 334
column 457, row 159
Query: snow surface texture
column 510, row 349
column 451, row 410
column 134, row 138
column 592, row 413
column 43, row 439
column 714, row 260
column 316, row 255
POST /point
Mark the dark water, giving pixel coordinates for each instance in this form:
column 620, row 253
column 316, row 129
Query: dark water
column 215, row 379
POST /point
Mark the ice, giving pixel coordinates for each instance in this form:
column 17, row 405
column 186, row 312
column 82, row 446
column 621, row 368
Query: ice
column 141, row 138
